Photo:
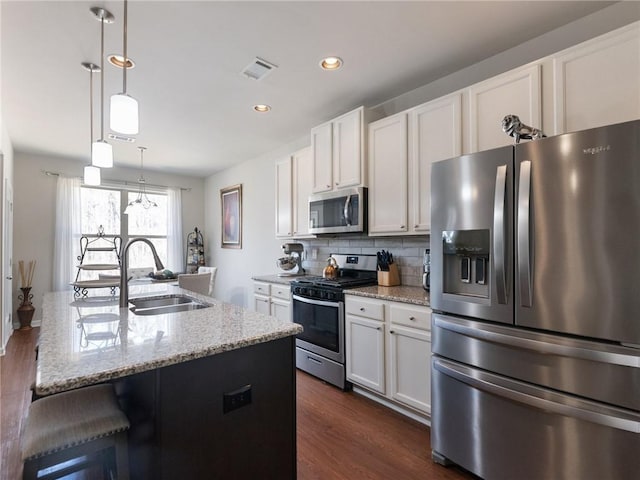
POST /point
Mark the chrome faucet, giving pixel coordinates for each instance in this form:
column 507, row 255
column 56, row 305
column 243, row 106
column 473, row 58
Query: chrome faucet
column 124, row 281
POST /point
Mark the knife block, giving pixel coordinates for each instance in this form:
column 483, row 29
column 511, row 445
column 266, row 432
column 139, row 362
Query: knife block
column 390, row 278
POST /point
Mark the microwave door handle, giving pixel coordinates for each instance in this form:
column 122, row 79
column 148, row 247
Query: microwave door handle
column 524, row 234
column 347, row 204
column 499, row 234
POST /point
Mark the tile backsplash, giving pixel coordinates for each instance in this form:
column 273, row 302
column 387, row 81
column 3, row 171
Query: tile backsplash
column 408, row 252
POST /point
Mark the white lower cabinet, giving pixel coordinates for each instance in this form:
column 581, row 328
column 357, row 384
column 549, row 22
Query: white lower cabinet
column 365, row 352
column 388, row 347
column 272, row 299
column 410, row 372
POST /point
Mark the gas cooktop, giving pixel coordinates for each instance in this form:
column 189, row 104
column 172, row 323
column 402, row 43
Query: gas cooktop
column 354, row 270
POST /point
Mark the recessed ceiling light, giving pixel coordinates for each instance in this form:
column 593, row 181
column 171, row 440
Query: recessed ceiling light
column 261, row 108
column 331, row 63
column 118, row 61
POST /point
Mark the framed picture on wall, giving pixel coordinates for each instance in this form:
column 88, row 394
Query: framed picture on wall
column 231, row 202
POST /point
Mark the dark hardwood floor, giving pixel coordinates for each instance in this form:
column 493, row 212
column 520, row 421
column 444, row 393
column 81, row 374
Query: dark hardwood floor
column 340, row 435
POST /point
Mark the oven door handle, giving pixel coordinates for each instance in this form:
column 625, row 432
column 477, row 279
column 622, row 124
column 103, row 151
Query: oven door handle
column 316, row 302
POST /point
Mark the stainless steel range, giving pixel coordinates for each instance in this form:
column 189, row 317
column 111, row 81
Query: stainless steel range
column 318, row 305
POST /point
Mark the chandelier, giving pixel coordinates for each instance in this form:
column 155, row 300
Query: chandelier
column 142, row 201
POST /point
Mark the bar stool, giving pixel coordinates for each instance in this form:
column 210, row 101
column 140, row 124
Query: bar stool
column 79, row 423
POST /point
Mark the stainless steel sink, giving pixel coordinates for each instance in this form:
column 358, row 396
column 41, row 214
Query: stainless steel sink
column 163, row 304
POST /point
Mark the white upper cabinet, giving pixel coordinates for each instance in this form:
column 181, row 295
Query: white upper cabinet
column 402, row 148
column 435, row 133
column 284, row 205
column 302, row 167
column 388, row 166
column 338, row 152
column 293, row 187
column 598, row 82
column 321, row 150
column 516, row 92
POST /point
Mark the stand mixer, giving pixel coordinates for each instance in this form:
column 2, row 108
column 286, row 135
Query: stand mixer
column 291, row 263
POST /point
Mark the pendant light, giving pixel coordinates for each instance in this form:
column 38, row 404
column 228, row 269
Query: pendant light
column 101, row 150
column 124, row 108
column 91, row 174
column 142, row 200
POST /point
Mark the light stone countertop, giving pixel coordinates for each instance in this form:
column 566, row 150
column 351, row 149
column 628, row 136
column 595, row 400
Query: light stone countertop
column 405, row 294
column 284, row 280
column 110, row 342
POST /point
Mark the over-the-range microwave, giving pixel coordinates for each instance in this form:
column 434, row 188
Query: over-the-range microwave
column 342, row 211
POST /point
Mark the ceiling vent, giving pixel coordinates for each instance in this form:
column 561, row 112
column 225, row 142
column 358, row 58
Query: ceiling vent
column 258, row 69
column 122, row 138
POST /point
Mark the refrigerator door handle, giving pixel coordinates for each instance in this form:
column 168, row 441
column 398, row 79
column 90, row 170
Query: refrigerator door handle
column 499, row 234
column 524, row 231
column 537, row 346
column 500, row 387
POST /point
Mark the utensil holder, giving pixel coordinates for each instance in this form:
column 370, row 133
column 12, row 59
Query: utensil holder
column 390, row 278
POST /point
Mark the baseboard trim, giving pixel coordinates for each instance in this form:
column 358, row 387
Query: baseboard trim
column 34, row 323
column 421, row 418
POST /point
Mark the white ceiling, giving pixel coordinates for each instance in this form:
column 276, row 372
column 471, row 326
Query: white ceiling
column 196, row 114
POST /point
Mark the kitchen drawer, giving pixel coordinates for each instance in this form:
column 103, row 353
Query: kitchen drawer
column 262, row 288
column 411, row 316
column 281, row 291
column 364, row 308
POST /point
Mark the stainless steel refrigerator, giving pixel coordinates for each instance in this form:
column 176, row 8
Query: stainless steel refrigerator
column 535, row 288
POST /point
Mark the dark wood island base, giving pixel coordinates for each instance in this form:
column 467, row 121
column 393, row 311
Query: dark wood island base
column 179, row 428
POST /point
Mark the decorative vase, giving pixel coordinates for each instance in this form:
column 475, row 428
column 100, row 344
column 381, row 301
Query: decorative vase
column 26, row 309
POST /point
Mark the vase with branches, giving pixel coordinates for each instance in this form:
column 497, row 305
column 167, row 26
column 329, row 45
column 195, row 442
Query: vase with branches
column 26, row 308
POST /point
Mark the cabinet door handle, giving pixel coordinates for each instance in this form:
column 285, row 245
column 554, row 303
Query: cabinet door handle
column 402, row 226
column 392, row 332
column 328, row 186
column 378, row 328
column 415, row 226
column 337, row 184
column 412, row 319
column 362, row 309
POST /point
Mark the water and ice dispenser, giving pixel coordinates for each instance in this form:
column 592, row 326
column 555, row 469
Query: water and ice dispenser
column 466, row 262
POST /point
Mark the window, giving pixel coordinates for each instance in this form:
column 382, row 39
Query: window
column 102, row 206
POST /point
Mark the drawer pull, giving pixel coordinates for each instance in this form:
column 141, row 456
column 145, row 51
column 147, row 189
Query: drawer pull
column 362, row 309
column 412, row 319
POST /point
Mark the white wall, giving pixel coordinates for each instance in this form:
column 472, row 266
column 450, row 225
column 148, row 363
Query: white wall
column 34, row 211
column 260, row 248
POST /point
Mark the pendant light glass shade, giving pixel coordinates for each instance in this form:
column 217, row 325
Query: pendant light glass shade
column 91, row 175
column 124, row 108
column 101, row 151
column 124, row 114
column 101, row 154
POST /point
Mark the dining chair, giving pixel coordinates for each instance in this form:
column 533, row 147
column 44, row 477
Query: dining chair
column 196, row 282
column 212, row 282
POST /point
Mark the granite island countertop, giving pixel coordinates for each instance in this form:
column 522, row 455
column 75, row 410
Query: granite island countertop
column 401, row 293
column 88, row 340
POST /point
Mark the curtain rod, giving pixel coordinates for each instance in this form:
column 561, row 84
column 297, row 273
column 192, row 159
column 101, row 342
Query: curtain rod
column 121, row 182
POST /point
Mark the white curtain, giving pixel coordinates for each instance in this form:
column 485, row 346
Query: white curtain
column 175, row 250
column 67, row 232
